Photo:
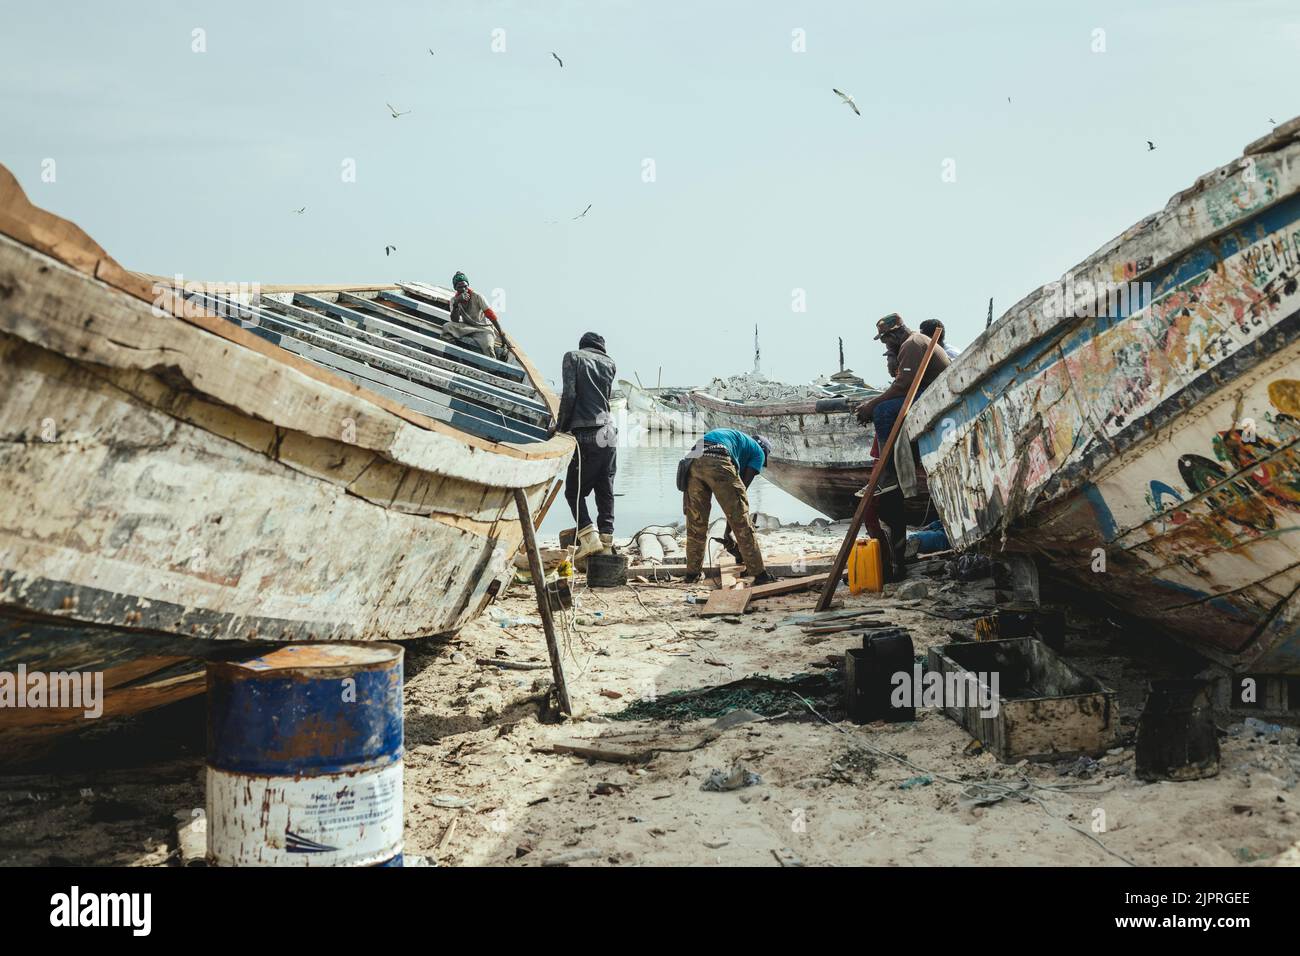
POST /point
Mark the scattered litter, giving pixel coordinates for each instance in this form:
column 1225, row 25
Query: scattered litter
column 573, row 856
column 765, row 696
column 912, row 782
column 786, row 857
column 611, row 694
column 739, row 776
column 448, row 801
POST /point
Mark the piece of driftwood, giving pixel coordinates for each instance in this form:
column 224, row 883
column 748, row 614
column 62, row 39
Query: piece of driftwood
column 512, row 665
column 543, row 601
column 886, row 450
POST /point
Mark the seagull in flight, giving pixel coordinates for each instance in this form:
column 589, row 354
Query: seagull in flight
column 301, row 211
column 848, row 100
column 557, row 59
column 1150, row 146
column 431, row 53
column 389, row 250
column 396, row 113
column 583, row 213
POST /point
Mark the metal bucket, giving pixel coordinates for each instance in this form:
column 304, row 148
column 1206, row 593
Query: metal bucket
column 606, row 570
column 305, row 757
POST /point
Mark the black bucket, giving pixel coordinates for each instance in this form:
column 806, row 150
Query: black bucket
column 1176, row 738
column 606, row 570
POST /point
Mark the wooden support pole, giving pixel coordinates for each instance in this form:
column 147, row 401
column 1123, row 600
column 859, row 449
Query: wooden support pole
column 842, row 559
column 543, row 600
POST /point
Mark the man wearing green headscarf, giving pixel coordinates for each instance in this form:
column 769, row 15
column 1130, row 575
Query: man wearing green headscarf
column 473, row 324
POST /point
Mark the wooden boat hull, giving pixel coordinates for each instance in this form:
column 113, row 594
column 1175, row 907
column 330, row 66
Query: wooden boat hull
column 175, row 486
column 821, row 457
column 1148, row 452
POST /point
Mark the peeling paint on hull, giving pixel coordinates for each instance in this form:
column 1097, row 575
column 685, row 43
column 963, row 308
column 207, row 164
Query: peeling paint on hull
column 1155, row 437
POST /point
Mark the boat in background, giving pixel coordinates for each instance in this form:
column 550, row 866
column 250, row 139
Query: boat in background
column 188, row 468
column 1134, row 425
column 659, row 409
column 820, row 454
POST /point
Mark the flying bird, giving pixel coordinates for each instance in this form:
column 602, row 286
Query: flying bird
column 301, row 211
column 583, row 213
column 389, row 250
column 1150, row 146
column 848, row 100
column 557, row 59
column 431, row 53
column 396, row 113
column 1273, row 121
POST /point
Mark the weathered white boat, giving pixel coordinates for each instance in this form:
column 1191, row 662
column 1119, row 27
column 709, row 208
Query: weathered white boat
column 659, row 409
column 1135, row 425
column 186, row 466
column 820, row 454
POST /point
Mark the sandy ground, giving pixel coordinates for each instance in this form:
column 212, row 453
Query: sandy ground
column 482, row 788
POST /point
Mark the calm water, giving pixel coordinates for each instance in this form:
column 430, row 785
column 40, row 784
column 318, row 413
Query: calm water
column 647, row 494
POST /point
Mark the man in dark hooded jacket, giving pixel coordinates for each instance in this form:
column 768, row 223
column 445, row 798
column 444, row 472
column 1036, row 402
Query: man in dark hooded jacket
column 588, row 375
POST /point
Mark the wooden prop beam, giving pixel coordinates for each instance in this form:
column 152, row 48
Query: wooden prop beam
column 842, row 559
column 543, row 601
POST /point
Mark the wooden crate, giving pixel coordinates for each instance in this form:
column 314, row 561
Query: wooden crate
column 1045, row 708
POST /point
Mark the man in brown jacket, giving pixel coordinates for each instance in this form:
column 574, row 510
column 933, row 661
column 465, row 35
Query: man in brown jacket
column 882, row 411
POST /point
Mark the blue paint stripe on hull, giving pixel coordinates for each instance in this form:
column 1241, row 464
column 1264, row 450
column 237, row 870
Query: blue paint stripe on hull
column 1033, row 358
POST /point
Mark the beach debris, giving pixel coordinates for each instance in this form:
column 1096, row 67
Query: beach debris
column 913, row 782
column 192, row 837
column 513, row 665
column 572, row 856
column 611, row 694
column 757, row 694
column 448, row 801
column 915, row 590
column 738, row 777
column 786, row 857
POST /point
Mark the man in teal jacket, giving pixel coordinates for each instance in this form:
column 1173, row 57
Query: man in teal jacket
column 726, row 462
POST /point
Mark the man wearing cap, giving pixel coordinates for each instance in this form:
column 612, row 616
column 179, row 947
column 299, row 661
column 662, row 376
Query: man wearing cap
column 588, row 376
column 726, row 463
column 473, row 324
column 882, row 411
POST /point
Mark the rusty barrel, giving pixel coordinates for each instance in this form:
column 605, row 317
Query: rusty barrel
column 305, row 757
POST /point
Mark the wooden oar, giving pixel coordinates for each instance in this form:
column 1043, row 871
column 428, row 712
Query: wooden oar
column 842, row 559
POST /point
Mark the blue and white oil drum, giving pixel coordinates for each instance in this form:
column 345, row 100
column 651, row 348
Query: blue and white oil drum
column 305, row 757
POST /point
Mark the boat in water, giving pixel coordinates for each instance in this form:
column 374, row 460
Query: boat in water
column 1134, row 425
column 189, row 467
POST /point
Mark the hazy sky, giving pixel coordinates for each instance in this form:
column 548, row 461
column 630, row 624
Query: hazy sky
column 763, row 182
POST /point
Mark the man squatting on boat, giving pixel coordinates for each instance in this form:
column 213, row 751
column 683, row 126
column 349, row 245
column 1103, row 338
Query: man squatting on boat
column 473, row 324
column 882, row 410
column 588, row 374
column 722, row 466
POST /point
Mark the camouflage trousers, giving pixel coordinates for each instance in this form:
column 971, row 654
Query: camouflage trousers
column 712, row 477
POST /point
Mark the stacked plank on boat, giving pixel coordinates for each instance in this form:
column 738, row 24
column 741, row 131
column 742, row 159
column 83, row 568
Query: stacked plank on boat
column 392, row 342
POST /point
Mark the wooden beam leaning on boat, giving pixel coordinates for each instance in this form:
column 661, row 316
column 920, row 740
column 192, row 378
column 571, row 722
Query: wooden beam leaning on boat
column 722, row 465
column 473, row 324
column 883, row 409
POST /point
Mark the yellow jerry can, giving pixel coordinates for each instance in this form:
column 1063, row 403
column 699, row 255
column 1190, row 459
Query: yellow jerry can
column 866, row 571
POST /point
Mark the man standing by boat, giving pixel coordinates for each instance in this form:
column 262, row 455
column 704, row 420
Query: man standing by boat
column 473, row 324
column 588, row 375
column 929, row 327
column 882, row 411
column 727, row 462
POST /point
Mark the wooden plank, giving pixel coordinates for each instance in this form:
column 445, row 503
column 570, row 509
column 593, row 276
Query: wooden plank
column 424, row 380
column 475, row 419
column 419, row 323
column 727, row 601
column 543, row 600
column 418, row 352
column 430, row 342
column 793, row 586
